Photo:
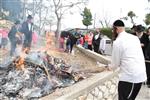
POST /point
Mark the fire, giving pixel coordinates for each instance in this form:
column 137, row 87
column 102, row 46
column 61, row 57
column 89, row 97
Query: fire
column 20, row 63
column 21, row 59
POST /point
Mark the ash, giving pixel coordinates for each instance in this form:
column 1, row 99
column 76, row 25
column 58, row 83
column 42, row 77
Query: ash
column 41, row 75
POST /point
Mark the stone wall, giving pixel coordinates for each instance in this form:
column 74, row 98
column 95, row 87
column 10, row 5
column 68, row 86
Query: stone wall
column 102, row 59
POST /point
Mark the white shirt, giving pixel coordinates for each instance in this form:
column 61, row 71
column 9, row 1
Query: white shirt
column 128, row 55
column 96, row 36
column 102, row 44
column 29, row 25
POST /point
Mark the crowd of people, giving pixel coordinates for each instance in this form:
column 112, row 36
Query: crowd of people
column 89, row 40
column 144, row 37
column 19, row 35
column 129, row 53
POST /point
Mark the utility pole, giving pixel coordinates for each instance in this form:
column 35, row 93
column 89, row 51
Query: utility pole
column 0, row 6
column 94, row 20
column 24, row 10
column 33, row 13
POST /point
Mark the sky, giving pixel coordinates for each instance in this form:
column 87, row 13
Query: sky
column 110, row 9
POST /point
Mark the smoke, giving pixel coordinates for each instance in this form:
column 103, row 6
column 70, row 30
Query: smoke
column 14, row 7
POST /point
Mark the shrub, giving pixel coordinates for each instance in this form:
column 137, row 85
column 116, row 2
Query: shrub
column 107, row 32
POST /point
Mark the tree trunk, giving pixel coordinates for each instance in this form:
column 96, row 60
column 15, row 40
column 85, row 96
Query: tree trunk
column 1, row 8
column 102, row 24
column 40, row 20
column 57, row 34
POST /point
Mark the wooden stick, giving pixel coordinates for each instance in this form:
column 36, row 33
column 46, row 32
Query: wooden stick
column 46, row 70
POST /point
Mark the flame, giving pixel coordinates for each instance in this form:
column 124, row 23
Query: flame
column 20, row 61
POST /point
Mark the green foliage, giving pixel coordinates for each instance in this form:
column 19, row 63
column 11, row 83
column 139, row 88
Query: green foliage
column 87, row 17
column 147, row 19
column 107, row 32
column 131, row 14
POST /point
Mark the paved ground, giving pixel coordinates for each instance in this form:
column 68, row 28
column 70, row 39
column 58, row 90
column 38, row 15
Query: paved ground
column 144, row 93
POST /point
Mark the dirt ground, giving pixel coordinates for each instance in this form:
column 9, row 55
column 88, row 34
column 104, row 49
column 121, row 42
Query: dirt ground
column 77, row 60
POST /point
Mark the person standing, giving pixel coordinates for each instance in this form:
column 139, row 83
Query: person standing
column 90, row 39
column 4, row 40
column 12, row 37
column 148, row 58
column 128, row 56
column 96, row 41
column 86, row 40
column 142, row 37
column 68, row 43
column 27, row 29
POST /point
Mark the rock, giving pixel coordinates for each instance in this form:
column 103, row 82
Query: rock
column 12, row 88
column 35, row 94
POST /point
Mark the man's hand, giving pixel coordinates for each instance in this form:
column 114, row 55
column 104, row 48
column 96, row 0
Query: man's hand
column 107, row 68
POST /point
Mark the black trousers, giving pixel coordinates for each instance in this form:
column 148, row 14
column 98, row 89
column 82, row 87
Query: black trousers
column 27, row 41
column 90, row 47
column 128, row 91
column 148, row 73
column 96, row 48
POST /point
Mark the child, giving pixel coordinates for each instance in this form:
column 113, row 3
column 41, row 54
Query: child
column 68, row 43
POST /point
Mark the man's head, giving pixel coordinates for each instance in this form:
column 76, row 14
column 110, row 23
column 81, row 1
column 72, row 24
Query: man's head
column 29, row 18
column 133, row 29
column 17, row 23
column 118, row 27
column 97, row 29
column 139, row 28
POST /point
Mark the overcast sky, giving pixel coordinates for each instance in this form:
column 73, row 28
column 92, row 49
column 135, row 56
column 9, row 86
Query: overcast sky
column 110, row 9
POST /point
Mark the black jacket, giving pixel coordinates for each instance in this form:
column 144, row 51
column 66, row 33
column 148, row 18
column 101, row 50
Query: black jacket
column 25, row 29
column 96, row 41
column 144, row 39
column 12, row 33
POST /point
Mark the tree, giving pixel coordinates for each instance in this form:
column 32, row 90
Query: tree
column 147, row 19
column 61, row 7
column 131, row 15
column 41, row 10
column 13, row 7
column 87, row 17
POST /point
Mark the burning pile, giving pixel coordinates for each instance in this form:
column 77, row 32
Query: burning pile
column 35, row 76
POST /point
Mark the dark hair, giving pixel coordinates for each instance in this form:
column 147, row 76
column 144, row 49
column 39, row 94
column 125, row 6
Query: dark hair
column 29, row 17
column 118, row 23
column 17, row 22
column 139, row 28
column 133, row 27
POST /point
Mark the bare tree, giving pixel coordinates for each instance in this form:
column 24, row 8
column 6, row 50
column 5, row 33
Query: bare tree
column 41, row 11
column 105, row 20
column 101, row 22
column 61, row 7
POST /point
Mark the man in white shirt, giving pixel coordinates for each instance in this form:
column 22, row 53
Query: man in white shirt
column 128, row 56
